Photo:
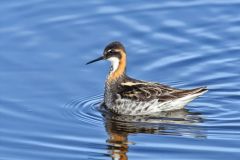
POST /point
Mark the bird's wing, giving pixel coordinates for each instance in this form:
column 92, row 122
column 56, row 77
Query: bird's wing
column 146, row 91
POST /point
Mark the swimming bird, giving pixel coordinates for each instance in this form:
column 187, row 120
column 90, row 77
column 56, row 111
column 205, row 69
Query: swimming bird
column 128, row 96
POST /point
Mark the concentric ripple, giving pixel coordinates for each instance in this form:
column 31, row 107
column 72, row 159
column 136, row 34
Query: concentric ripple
column 85, row 110
column 88, row 112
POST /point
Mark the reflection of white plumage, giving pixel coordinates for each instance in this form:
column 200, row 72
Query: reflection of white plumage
column 128, row 96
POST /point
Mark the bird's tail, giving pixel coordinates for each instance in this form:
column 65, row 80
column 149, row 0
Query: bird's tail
column 199, row 91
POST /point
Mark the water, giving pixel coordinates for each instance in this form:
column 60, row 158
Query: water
column 49, row 100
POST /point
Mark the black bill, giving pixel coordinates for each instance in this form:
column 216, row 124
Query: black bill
column 95, row 60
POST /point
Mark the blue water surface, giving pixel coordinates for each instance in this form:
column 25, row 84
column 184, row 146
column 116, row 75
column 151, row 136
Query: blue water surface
column 49, row 98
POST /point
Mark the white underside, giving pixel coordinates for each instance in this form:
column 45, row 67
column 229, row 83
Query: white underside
column 128, row 107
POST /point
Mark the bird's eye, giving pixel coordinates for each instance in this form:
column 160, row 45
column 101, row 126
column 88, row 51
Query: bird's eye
column 110, row 51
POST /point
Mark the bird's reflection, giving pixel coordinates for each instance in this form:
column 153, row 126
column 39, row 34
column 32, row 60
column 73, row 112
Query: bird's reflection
column 177, row 123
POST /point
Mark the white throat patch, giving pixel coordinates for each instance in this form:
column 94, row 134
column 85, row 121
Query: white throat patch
column 115, row 63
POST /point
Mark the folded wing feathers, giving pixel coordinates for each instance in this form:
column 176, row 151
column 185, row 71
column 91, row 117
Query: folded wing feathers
column 145, row 91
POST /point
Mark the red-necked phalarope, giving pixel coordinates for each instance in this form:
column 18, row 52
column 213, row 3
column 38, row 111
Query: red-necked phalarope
column 128, row 96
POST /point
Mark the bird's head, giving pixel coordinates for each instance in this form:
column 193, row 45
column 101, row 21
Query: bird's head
column 116, row 54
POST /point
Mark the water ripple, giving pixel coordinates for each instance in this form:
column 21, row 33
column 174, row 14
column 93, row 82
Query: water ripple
column 85, row 110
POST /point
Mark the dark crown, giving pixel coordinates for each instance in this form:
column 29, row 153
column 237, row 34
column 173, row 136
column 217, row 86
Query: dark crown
column 115, row 45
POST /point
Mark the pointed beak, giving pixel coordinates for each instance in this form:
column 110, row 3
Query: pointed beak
column 95, row 60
